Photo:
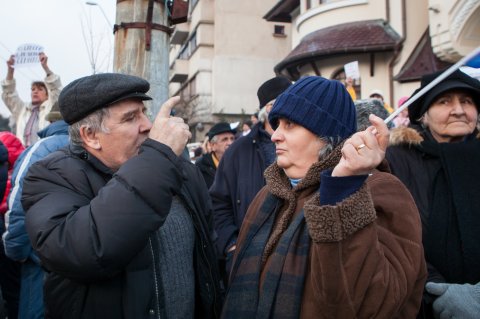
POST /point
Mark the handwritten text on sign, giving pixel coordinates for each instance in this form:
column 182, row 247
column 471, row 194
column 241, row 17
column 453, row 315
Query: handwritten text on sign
column 27, row 54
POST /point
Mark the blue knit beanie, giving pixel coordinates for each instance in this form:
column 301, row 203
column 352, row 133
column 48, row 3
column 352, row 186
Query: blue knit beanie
column 320, row 105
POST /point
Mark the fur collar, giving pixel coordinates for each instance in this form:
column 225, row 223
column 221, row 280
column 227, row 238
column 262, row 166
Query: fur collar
column 409, row 135
column 279, row 184
column 405, row 135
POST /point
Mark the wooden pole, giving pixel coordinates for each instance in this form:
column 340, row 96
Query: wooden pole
column 142, row 39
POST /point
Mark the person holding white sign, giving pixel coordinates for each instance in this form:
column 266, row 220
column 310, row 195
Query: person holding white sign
column 29, row 117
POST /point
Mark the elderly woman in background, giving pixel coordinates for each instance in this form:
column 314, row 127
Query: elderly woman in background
column 438, row 159
column 329, row 236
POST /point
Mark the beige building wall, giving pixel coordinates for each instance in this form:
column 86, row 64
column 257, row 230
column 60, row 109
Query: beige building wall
column 409, row 18
column 338, row 12
column 245, row 53
column 236, row 52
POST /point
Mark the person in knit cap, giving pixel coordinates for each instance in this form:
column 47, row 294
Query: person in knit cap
column 437, row 158
column 366, row 107
column 331, row 235
column 240, row 174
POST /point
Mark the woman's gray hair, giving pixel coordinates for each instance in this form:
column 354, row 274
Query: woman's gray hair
column 330, row 144
column 93, row 122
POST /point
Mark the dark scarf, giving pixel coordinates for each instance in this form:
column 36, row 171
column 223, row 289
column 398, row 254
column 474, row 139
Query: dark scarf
column 453, row 230
column 285, row 241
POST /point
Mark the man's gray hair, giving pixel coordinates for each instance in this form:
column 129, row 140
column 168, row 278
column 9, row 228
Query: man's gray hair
column 93, row 122
column 214, row 139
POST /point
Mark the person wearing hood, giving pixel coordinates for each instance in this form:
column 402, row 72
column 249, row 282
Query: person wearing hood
column 437, row 159
column 332, row 234
column 17, row 243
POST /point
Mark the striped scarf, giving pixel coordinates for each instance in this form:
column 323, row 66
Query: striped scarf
column 281, row 293
column 281, row 236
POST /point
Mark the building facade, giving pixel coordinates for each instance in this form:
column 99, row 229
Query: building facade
column 220, row 57
column 394, row 41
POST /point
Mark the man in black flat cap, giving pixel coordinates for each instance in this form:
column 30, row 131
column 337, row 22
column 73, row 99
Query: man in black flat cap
column 240, row 173
column 119, row 219
column 220, row 137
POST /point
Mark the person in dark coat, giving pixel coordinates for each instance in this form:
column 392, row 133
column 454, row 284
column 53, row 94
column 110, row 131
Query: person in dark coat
column 220, row 137
column 119, row 219
column 240, row 173
column 437, row 159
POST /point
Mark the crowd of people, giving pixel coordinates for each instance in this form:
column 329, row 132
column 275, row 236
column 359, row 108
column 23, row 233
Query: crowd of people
column 316, row 209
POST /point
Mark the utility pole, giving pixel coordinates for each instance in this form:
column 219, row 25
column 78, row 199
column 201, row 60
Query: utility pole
column 142, row 40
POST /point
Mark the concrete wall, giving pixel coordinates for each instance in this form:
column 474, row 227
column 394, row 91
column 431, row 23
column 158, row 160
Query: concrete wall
column 246, row 51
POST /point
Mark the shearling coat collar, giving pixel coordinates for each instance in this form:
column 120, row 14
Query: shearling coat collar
column 410, row 135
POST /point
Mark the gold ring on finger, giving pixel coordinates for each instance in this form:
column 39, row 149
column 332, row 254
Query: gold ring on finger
column 359, row 147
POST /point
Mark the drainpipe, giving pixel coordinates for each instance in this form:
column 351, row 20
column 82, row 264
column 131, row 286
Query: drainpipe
column 397, row 48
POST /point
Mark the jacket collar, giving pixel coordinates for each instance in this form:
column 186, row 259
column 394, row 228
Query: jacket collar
column 83, row 154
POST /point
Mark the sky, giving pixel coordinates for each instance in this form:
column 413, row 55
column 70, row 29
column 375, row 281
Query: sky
column 70, row 31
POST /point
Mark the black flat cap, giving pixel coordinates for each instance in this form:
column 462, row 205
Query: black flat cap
column 219, row 128
column 88, row 94
column 272, row 88
column 456, row 80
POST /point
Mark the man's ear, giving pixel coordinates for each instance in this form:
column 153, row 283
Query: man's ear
column 90, row 138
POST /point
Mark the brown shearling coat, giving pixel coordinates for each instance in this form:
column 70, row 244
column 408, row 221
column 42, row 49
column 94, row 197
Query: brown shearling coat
column 366, row 255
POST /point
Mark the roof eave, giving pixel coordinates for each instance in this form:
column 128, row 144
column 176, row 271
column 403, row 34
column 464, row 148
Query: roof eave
column 312, row 56
column 281, row 11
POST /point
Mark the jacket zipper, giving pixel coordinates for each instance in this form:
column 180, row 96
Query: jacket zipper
column 155, row 276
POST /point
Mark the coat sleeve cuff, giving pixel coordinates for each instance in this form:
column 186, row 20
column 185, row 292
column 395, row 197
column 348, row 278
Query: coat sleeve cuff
column 8, row 85
column 327, row 223
column 333, row 190
column 164, row 149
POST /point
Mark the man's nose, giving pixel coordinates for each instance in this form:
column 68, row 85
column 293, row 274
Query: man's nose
column 146, row 124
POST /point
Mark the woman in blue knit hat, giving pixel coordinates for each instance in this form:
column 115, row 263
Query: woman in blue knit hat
column 331, row 235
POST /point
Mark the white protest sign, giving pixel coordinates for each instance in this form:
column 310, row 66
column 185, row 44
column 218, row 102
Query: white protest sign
column 27, row 54
column 352, row 70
